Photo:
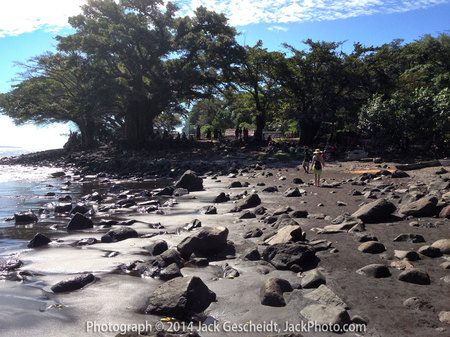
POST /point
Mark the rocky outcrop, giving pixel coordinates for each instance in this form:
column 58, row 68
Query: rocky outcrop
column 79, row 222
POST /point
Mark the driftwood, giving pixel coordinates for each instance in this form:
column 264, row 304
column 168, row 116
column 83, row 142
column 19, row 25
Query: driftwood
column 419, row 165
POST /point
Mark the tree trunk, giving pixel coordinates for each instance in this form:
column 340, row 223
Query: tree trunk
column 260, row 124
column 88, row 130
column 308, row 131
column 138, row 125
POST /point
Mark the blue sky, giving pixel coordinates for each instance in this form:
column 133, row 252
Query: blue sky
column 27, row 29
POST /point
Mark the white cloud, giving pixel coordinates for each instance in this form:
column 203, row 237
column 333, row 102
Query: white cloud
column 20, row 16
column 278, row 29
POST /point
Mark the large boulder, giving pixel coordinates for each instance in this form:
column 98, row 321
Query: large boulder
column 25, row 217
column 119, row 235
column 180, row 297
column 285, row 256
column 73, row 283
column 250, row 201
column 190, row 181
column 271, row 292
column 78, row 222
column 425, row 206
column 208, row 240
column 38, row 241
column 376, row 211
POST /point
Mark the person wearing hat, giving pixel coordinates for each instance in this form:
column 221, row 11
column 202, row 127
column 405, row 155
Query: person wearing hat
column 317, row 164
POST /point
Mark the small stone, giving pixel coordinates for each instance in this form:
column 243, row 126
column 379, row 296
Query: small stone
column 375, row 270
column 417, row 303
column 271, row 292
column 406, row 254
column 312, row 279
column 372, row 247
column 444, row 317
column 443, row 245
column 430, row 251
column 415, row 276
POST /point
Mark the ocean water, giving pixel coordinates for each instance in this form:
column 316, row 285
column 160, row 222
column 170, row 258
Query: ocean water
column 9, row 151
column 23, row 188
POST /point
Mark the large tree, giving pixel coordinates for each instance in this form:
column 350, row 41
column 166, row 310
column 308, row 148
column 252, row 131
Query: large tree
column 158, row 60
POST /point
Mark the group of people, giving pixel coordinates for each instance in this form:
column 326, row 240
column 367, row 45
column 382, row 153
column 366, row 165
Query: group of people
column 313, row 162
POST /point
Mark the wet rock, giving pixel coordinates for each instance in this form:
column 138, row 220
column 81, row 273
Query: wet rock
column 8, row 265
column 39, row 240
column 168, row 190
column 222, row 197
column 206, row 241
column 126, row 203
column 73, row 283
column 82, row 209
column 254, row 233
column 312, row 279
column 25, row 217
column 423, row 207
column 298, row 214
column 292, row 192
column 119, row 235
column 261, row 210
column 251, row 254
column 366, row 237
column 170, row 272
column 443, row 245
column 180, row 297
column 290, row 233
column 271, row 293
column 324, row 314
column 430, row 251
column 247, row 215
column 79, row 222
column 196, row 223
column 282, row 210
column 399, row 174
column 178, row 192
column 230, row 272
column 235, row 184
column 413, row 238
column 326, row 296
column 63, row 208
column 376, row 211
column 87, row 242
column 415, row 276
column 270, row 189
column 208, row 210
column 372, row 247
column 190, row 181
column 57, row 174
column 285, row 256
column 297, row 181
column 250, row 201
column 375, row 270
column 116, row 189
column 156, row 248
column 108, row 223
column 417, row 303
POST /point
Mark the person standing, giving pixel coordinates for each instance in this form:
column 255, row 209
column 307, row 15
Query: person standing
column 317, row 165
column 306, row 159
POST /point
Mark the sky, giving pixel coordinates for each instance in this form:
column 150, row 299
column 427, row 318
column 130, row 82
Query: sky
column 28, row 28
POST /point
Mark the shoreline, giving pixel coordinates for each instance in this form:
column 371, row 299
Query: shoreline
column 120, row 293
